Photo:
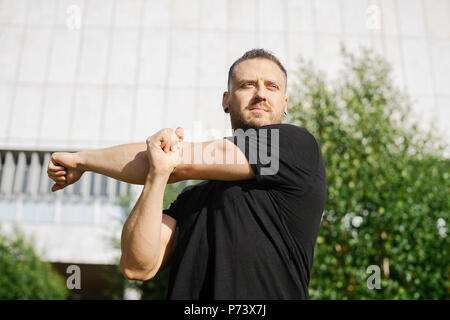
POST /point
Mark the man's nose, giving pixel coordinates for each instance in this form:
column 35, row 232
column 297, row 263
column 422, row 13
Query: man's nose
column 260, row 94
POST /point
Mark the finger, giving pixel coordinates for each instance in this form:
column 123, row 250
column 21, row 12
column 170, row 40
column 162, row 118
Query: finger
column 54, row 159
column 60, row 180
column 54, row 178
column 164, row 145
column 179, row 131
column 61, row 184
column 176, row 138
column 54, row 167
column 166, row 139
column 175, row 146
column 58, row 173
column 56, row 187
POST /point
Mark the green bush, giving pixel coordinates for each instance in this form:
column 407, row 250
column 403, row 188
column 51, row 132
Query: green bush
column 23, row 275
column 387, row 185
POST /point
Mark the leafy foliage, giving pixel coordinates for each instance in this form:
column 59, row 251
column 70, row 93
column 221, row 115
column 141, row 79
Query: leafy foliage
column 387, row 185
column 23, row 275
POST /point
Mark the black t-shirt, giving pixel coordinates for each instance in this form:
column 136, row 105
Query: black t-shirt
column 252, row 239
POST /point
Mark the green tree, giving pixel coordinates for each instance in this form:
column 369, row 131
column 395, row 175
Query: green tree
column 23, row 275
column 387, row 185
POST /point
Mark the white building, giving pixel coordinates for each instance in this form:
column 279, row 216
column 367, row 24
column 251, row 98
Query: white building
column 80, row 74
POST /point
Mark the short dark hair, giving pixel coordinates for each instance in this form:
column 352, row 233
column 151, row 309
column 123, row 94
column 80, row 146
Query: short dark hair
column 252, row 54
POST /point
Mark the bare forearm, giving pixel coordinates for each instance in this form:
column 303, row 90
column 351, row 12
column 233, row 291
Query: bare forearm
column 141, row 234
column 127, row 162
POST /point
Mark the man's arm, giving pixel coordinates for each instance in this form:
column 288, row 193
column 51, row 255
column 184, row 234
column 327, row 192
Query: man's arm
column 141, row 240
column 147, row 234
column 212, row 160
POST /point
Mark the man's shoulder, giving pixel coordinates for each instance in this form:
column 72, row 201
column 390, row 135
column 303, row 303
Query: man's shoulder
column 287, row 127
column 284, row 128
column 294, row 133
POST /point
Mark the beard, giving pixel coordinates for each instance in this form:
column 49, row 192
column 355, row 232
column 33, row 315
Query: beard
column 244, row 121
column 241, row 123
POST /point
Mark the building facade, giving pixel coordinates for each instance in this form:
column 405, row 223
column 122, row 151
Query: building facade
column 87, row 74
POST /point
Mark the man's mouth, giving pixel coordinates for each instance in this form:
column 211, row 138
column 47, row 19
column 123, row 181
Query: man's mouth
column 258, row 109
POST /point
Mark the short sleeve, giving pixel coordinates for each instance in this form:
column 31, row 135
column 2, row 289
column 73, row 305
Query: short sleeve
column 282, row 155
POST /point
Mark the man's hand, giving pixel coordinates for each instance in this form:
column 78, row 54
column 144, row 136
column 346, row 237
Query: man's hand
column 164, row 151
column 65, row 169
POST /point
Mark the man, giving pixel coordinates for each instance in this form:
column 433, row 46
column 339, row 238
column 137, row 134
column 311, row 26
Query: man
column 249, row 230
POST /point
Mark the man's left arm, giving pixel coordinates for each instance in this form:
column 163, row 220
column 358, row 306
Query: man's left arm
column 213, row 160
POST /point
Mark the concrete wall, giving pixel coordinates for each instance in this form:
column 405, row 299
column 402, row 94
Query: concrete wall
column 80, row 74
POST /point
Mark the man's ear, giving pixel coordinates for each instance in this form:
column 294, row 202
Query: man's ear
column 285, row 105
column 225, row 104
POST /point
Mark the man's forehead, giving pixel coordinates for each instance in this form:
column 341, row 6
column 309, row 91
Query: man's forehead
column 258, row 67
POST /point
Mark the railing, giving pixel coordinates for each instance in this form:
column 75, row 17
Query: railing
column 26, row 196
column 24, row 173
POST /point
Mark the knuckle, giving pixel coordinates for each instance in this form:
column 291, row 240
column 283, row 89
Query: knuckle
column 167, row 131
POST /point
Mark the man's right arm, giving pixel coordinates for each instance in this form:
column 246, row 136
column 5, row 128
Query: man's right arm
column 147, row 235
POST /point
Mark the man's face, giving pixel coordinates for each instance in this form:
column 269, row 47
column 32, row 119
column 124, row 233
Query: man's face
column 257, row 94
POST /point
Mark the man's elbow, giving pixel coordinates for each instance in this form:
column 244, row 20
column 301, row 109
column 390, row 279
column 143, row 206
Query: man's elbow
column 132, row 273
